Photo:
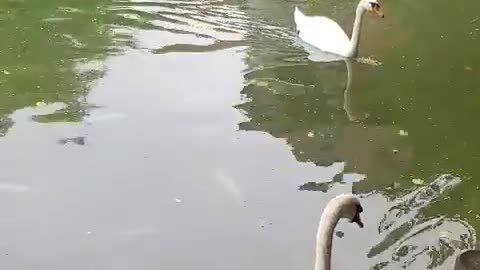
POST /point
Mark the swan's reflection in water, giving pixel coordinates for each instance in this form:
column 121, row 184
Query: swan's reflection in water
column 409, row 239
column 316, row 55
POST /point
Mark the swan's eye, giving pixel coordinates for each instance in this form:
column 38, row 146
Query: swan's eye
column 359, row 208
column 375, row 5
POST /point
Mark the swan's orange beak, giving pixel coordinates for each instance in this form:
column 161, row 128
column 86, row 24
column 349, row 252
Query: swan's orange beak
column 378, row 11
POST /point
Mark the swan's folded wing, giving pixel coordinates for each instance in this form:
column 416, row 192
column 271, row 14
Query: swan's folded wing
column 323, row 33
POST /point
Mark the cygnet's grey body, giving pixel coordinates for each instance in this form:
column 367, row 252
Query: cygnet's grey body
column 468, row 260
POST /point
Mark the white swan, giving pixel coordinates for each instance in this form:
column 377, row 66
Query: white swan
column 343, row 206
column 326, row 35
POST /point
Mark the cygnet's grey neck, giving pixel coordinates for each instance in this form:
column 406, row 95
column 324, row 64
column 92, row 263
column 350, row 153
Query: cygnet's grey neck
column 327, row 225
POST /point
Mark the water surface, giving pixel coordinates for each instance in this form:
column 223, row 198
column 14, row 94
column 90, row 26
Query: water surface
column 181, row 134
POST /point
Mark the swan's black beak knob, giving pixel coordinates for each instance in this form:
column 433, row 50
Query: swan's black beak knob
column 357, row 219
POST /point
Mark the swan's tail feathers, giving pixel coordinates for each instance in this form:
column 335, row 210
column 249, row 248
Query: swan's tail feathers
column 298, row 17
column 297, row 14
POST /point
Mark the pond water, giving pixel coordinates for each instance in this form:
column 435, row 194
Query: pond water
column 198, row 134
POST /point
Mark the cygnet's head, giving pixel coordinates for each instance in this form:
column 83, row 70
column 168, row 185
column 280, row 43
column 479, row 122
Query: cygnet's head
column 468, row 260
column 349, row 208
column 373, row 7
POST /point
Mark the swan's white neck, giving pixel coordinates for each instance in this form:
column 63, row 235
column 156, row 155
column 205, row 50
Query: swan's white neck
column 357, row 24
column 327, row 225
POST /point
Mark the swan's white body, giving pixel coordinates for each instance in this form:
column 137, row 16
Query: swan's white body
column 343, row 206
column 323, row 33
column 325, row 40
column 327, row 36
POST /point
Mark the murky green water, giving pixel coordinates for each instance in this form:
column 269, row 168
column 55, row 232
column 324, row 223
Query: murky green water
column 180, row 134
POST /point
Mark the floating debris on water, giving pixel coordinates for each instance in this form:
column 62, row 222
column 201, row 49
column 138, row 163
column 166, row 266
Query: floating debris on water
column 311, row 134
column 14, row 188
column 41, row 104
column 402, row 132
column 59, row 19
column 445, row 236
column 418, row 182
column 178, row 200
column 263, row 223
column 75, row 140
column 369, row 61
column 261, row 83
column 103, row 117
column 395, row 151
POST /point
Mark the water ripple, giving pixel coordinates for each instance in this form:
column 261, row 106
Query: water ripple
column 197, row 26
column 410, row 239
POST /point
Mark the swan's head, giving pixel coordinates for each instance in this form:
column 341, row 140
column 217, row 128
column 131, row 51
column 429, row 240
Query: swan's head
column 349, row 208
column 373, row 7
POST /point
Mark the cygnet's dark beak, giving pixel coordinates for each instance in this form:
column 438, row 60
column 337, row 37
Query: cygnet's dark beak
column 357, row 218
